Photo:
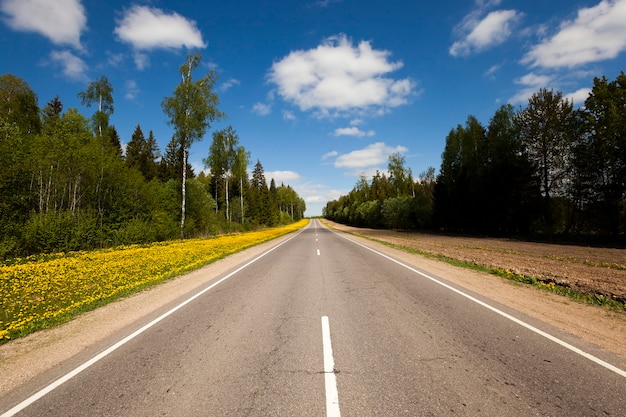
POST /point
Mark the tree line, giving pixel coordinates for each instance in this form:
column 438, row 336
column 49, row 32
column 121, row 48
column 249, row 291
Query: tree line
column 67, row 184
column 547, row 168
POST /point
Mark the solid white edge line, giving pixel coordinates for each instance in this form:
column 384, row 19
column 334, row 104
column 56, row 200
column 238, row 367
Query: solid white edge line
column 44, row 391
column 332, row 396
column 540, row 332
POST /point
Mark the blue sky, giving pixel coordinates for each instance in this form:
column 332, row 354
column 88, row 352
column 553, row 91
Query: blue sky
column 319, row 91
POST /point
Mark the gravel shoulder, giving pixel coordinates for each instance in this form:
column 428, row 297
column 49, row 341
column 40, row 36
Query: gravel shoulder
column 23, row 359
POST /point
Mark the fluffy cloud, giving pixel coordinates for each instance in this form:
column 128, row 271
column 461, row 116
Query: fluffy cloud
column 282, row 177
column 579, row 96
column 353, row 131
column 597, row 33
column 132, row 90
column 371, row 156
column 338, row 76
column 531, row 83
column 227, row 85
column 61, row 21
column 148, row 28
column 72, row 66
column 480, row 34
column 330, row 154
column 262, row 109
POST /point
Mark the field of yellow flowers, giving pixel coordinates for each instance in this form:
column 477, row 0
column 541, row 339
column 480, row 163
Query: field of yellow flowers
column 39, row 292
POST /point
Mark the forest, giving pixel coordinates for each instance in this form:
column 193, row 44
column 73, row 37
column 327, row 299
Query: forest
column 68, row 184
column 546, row 169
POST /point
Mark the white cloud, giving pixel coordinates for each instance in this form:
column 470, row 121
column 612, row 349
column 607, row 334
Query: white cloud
column 492, row 70
column 531, row 83
column 72, row 66
column 371, row 156
column 353, row 131
column 534, row 80
column 316, row 195
column 579, row 96
column 330, row 154
column 288, row 115
column 61, row 21
column 114, row 60
column 141, row 60
column 262, row 109
column 132, row 90
column 326, row 3
column 480, row 34
column 147, row 28
column 227, row 85
column 337, row 76
column 597, row 33
column 315, row 199
column 282, row 177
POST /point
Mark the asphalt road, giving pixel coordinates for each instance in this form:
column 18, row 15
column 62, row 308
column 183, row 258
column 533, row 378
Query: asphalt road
column 321, row 325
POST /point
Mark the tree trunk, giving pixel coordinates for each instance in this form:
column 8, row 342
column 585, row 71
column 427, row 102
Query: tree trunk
column 182, row 209
column 241, row 199
column 227, row 207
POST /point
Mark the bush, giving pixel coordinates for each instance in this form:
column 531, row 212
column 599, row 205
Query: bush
column 60, row 231
column 135, row 231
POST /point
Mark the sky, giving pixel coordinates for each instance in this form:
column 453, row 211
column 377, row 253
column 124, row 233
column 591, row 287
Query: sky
column 319, row 91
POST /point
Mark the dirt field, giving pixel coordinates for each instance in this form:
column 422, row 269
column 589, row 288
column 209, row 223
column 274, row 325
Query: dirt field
column 588, row 270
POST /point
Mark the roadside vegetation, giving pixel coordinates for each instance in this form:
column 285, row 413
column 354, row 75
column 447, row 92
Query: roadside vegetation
column 41, row 291
column 67, row 183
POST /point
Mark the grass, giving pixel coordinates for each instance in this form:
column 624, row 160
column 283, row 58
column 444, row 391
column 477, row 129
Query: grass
column 43, row 291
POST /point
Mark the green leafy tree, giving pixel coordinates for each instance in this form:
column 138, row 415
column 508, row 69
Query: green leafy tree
column 458, row 192
column 19, row 125
column 191, row 110
column 400, row 178
column 546, row 131
column 604, row 158
column 380, row 188
column 18, row 105
column 99, row 92
column 221, row 162
column 510, row 195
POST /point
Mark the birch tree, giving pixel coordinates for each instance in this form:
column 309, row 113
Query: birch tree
column 191, row 110
column 99, row 92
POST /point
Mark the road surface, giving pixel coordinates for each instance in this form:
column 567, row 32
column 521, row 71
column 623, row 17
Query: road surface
column 322, row 325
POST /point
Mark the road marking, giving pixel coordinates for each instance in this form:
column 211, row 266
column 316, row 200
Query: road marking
column 318, row 252
column 44, row 391
column 530, row 327
column 332, row 396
